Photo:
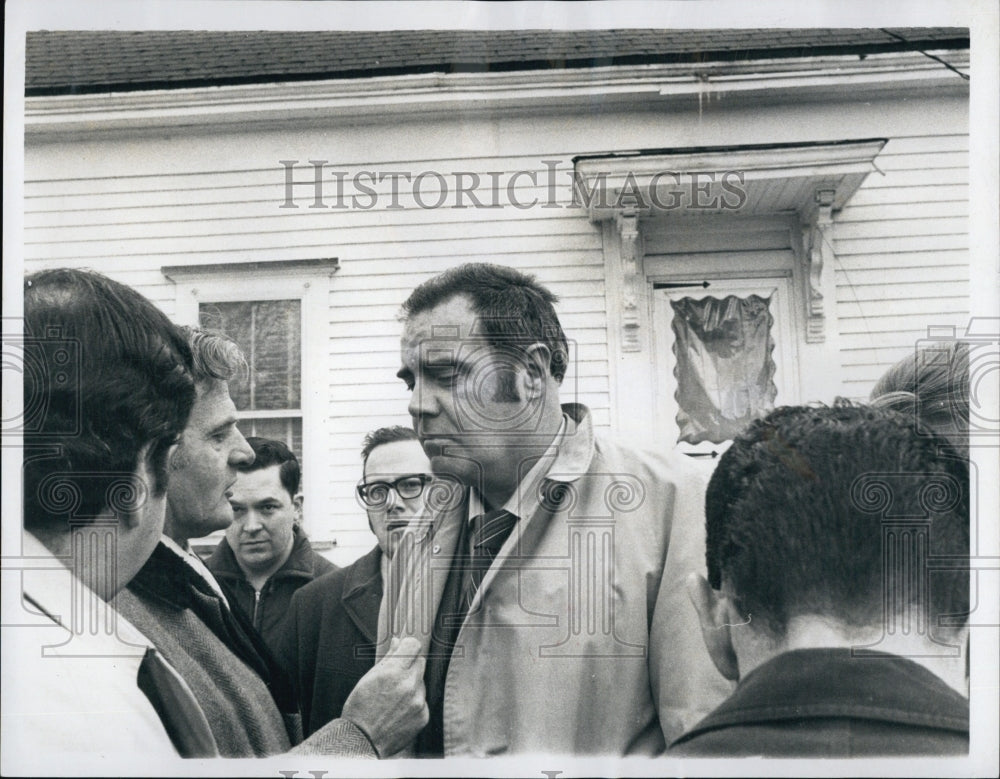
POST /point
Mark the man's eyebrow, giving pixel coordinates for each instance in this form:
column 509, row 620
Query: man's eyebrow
column 223, row 426
column 439, row 358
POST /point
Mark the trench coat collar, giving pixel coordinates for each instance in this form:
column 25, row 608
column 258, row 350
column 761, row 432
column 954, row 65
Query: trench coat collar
column 572, row 459
column 429, row 543
column 58, row 587
column 540, row 500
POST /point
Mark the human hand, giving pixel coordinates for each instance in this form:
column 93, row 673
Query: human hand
column 389, row 703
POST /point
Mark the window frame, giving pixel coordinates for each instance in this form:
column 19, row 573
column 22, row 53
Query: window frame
column 307, row 281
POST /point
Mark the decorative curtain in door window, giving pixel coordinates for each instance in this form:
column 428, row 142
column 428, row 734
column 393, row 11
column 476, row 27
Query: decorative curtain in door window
column 724, row 366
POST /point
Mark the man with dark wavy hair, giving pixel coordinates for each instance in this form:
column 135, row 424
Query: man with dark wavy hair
column 821, row 599
column 111, row 386
column 107, row 392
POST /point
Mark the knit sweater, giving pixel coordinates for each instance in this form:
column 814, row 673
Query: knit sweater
column 164, row 602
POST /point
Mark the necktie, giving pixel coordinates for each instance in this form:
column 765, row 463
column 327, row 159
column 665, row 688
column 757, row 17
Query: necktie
column 489, row 531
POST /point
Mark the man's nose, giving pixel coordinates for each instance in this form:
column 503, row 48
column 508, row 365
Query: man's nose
column 241, row 453
column 252, row 523
column 423, row 402
column 393, row 503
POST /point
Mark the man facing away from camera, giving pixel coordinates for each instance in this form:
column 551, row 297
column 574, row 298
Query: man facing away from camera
column 246, row 696
column 266, row 556
column 109, row 396
column 540, row 591
column 821, row 525
column 329, row 643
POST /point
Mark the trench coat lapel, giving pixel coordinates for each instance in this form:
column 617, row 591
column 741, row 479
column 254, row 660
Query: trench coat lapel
column 417, row 574
column 540, row 500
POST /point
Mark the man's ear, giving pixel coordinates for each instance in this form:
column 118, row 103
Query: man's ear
column 536, row 363
column 297, row 505
column 716, row 613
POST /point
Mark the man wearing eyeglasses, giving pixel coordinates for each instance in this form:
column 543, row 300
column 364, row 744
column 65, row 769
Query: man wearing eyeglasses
column 329, row 643
column 396, row 470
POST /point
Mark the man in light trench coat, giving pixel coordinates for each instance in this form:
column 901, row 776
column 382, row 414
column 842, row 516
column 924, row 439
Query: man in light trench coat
column 545, row 580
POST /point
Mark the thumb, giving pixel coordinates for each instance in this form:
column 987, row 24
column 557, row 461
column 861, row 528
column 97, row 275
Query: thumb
column 404, row 652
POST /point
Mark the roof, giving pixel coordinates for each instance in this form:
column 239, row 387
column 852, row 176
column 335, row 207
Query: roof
column 75, row 62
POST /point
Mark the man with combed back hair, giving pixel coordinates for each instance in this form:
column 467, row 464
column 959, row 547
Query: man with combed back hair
column 810, row 600
column 543, row 587
column 266, row 556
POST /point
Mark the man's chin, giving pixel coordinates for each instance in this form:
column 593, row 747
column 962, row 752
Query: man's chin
column 255, row 556
column 461, row 469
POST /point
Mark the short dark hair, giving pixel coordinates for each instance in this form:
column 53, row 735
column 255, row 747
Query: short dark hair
column 931, row 386
column 385, row 435
column 512, row 307
column 789, row 532
column 110, row 375
column 270, row 452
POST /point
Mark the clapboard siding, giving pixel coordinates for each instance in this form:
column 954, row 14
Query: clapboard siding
column 130, row 206
column 130, row 226
column 902, row 255
column 906, row 196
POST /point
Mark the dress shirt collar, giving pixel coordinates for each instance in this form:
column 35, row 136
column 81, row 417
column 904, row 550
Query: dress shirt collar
column 55, row 589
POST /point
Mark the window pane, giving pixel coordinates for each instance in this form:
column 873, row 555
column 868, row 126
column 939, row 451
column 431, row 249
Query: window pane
column 233, row 319
column 287, row 430
column 269, row 332
column 725, row 369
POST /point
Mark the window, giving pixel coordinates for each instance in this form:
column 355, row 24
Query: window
column 278, row 312
column 767, row 213
column 724, row 367
column 269, row 397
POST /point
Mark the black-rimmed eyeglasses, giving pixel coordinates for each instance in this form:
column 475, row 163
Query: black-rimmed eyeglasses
column 375, row 494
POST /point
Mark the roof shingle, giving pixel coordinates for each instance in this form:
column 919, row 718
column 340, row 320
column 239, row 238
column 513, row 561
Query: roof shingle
column 74, row 62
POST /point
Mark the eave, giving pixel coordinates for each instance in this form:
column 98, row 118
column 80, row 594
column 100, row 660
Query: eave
column 213, row 109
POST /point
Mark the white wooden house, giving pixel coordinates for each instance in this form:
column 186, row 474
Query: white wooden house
column 295, row 187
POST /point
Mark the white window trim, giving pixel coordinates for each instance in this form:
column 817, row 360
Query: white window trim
column 812, row 180
column 307, row 281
